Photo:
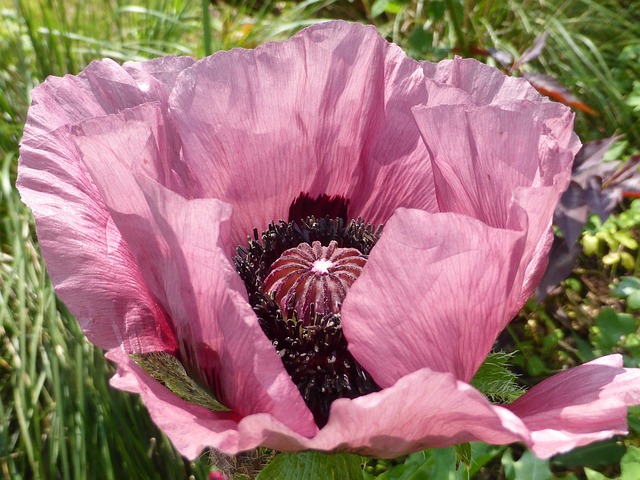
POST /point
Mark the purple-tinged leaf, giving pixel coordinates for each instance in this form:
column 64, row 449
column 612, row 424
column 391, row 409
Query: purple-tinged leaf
column 602, row 201
column 572, row 212
column 596, row 187
column 550, row 87
column 627, row 177
column 532, row 52
column 592, row 153
column 503, row 58
column 562, row 260
column 631, row 187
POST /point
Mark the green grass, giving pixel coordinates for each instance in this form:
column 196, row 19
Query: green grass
column 59, row 419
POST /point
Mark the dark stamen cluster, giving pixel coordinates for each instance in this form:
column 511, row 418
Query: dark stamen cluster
column 313, row 350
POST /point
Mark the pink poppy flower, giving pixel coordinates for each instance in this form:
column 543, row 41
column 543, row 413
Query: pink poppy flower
column 321, row 332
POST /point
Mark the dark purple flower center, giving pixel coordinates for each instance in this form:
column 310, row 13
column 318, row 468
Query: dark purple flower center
column 297, row 275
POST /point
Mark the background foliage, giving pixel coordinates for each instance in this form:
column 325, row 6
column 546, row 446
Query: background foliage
column 58, row 416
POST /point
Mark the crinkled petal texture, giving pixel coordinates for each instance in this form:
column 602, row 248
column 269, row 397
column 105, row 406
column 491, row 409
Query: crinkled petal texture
column 91, row 266
column 144, row 178
column 327, row 112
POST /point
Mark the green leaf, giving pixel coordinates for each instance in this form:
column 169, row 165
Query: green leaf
column 438, row 463
column 594, row 455
column 436, row 9
column 313, row 466
column 626, row 239
column 616, row 150
column 441, row 463
column 633, row 301
column 389, row 6
column 496, row 381
column 529, row 467
column 378, row 8
column 629, row 288
column 613, row 326
column 481, row 455
column 420, row 40
column 634, row 97
column 535, row 366
column 594, row 475
column 168, row 370
column 630, row 464
column 633, row 418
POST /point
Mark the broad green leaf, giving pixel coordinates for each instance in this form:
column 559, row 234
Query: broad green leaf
column 313, row 466
column 528, row 467
column 633, row 418
column 630, row 464
column 378, row 8
column 612, row 326
column 598, row 454
column 629, row 288
column 616, row 151
column 481, row 454
column 594, row 475
column 437, row 463
column 633, row 100
column 633, row 300
column 420, row 40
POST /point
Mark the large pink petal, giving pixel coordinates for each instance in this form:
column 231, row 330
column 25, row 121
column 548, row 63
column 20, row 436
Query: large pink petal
column 582, row 405
column 261, row 126
column 433, row 294
column 577, row 407
column 104, row 87
column 112, row 147
column 89, row 264
column 467, row 81
column 425, row 409
column 156, row 78
column 180, row 246
column 446, row 413
column 91, row 267
column 481, row 155
column 504, row 166
column 192, row 428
